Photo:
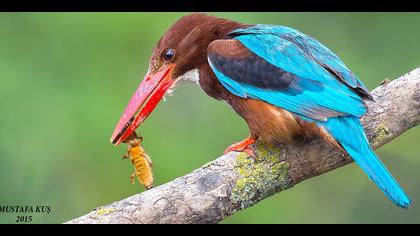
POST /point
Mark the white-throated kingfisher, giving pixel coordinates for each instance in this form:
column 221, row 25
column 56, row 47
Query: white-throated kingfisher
column 284, row 84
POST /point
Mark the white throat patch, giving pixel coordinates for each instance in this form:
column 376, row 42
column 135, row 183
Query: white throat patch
column 190, row 76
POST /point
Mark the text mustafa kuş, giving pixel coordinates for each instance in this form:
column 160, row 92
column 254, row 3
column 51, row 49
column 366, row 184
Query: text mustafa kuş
column 25, row 209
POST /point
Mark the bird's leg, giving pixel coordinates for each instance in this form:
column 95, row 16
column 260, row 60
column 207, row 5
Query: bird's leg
column 242, row 146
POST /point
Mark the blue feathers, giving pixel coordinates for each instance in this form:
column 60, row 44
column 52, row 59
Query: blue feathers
column 288, row 69
column 283, row 54
column 348, row 131
column 293, row 40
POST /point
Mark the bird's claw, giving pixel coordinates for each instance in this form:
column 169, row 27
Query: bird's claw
column 249, row 151
column 242, row 146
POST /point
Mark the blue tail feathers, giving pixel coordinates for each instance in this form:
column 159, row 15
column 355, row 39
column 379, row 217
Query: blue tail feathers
column 349, row 132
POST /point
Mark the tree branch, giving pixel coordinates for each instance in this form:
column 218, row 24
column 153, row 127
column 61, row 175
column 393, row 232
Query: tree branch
column 236, row 181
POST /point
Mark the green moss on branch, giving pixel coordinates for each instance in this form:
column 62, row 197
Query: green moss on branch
column 261, row 176
column 381, row 133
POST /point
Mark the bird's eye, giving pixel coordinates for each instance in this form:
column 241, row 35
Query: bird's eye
column 168, row 54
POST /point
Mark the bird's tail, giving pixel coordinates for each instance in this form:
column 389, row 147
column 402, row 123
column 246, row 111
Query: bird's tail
column 349, row 132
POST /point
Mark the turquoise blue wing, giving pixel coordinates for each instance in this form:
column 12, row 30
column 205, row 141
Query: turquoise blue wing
column 314, row 50
column 270, row 68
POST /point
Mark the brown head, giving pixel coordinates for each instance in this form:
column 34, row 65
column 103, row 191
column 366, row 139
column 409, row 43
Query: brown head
column 177, row 58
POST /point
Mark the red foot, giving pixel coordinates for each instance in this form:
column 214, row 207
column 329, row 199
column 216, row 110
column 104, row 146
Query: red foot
column 241, row 146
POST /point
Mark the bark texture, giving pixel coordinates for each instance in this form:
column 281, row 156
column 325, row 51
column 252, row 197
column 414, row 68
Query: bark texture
column 236, row 181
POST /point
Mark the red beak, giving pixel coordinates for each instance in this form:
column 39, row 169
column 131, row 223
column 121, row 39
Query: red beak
column 143, row 102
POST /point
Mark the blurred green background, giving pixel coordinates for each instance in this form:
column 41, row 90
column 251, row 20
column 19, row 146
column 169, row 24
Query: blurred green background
column 65, row 79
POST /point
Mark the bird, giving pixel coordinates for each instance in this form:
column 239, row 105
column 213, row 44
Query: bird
column 285, row 84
